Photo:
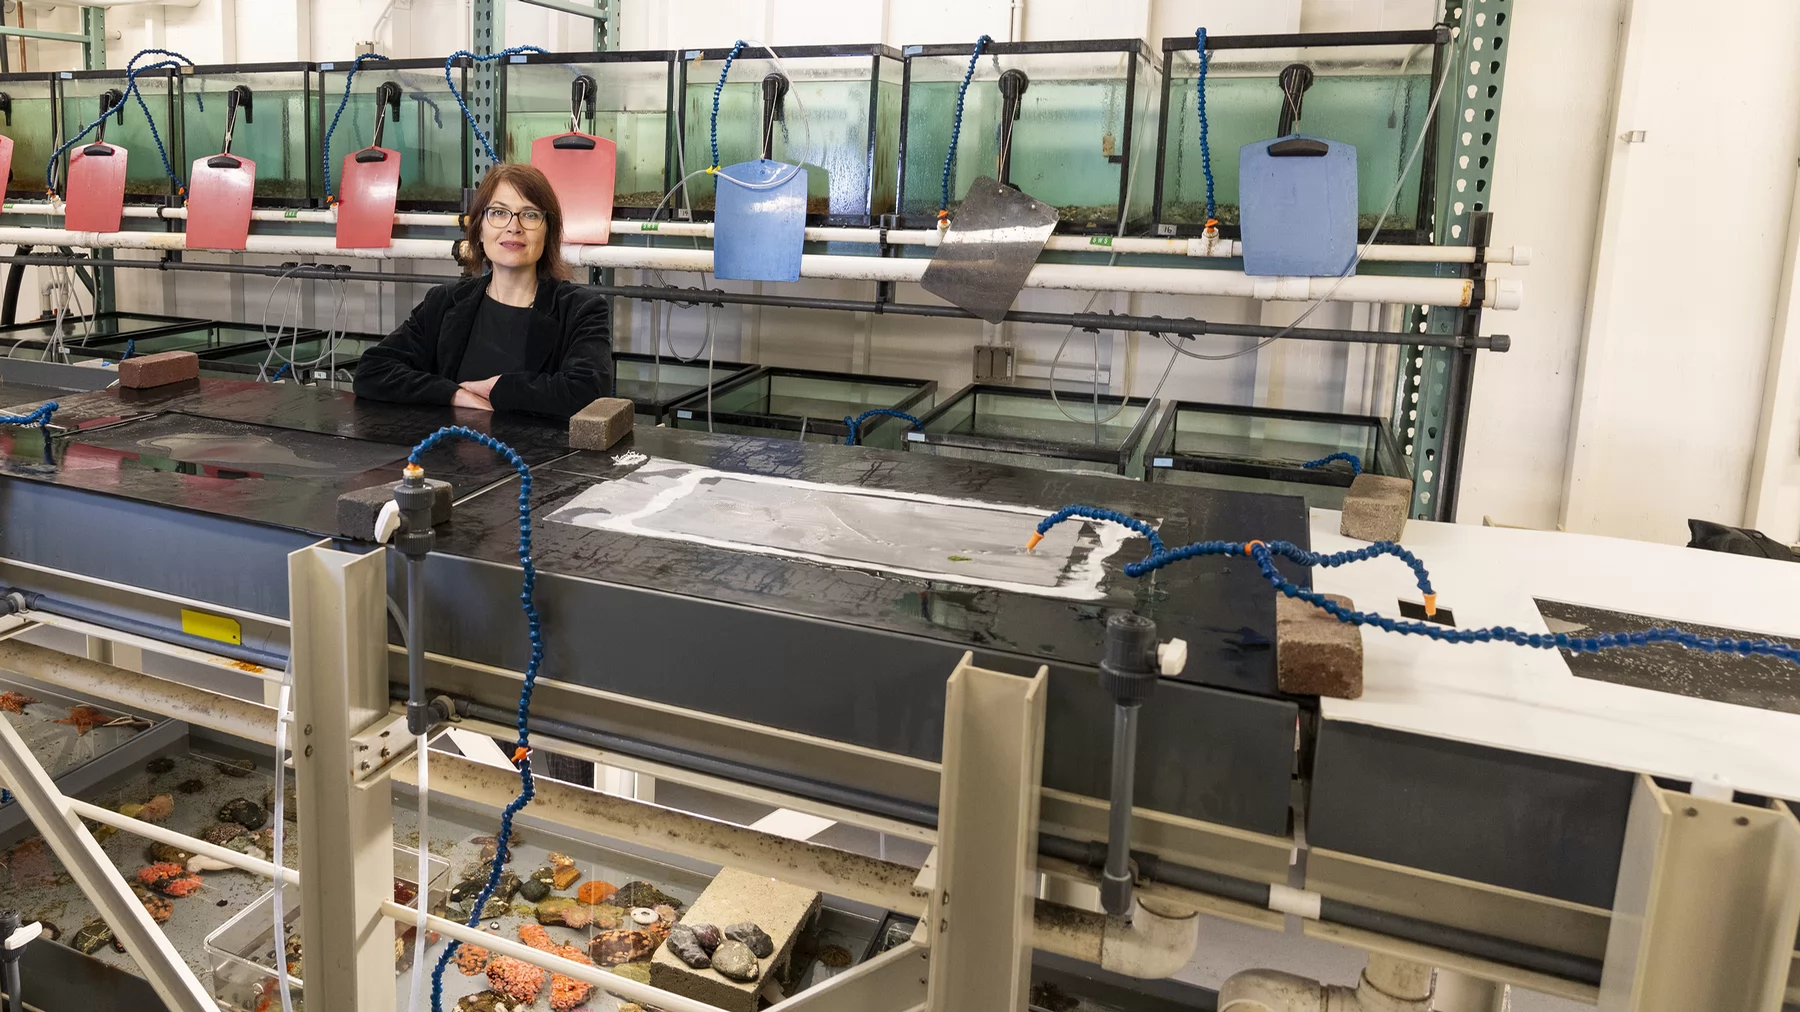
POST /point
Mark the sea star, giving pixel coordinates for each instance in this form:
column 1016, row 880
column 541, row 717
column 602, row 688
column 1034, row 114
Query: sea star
column 84, row 718
column 16, row 702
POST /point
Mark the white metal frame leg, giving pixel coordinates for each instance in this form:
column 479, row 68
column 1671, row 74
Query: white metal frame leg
column 74, row 846
column 338, row 604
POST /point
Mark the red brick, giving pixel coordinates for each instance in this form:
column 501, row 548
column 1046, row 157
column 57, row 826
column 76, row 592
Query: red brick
column 160, row 370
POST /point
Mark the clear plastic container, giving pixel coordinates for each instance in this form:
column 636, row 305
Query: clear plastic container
column 1369, row 89
column 631, row 109
column 281, row 135
column 1084, row 140
column 430, row 133
column 32, row 127
column 241, row 952
column 840, row 118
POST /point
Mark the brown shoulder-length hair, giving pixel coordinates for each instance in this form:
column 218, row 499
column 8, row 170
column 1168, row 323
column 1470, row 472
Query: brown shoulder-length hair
column 534, row 186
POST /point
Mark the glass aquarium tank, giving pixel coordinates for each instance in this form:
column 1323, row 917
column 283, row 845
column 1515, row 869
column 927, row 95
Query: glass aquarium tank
column 839, row 116
column 146, row 179
column 1228, row 446
column 1029, row 428
column 279, row 132
column 430, row 133
column 103, row 327
column 28, row 116
column 654, row 385
column 1369, row 89
column 309, row 352
column 1083, row 137
column 631, row 108
column 807, row 405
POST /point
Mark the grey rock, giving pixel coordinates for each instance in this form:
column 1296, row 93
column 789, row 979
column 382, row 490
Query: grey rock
column 534, row 889
column 752, row 936
column 708, row 935
column 734, row 959
column 687, row 947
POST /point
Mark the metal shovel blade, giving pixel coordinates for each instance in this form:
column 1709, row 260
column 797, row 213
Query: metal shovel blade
column 994, row 240
column 371, row 183
column 220, row 191
column 6, row 153
column 96, row 189
column 582, row 169
column 759, row 223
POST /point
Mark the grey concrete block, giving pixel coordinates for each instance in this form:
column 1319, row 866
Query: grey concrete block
column 776, row 907
column 601, row 424
column 1315, row 654
column 1376, row 508
column 356, row 511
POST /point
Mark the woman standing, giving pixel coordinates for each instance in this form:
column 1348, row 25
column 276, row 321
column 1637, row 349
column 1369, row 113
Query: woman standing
column 514, row 334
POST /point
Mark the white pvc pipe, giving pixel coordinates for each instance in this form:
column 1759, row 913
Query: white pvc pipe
column 1499, row 293
column 151, row 831
column 1217, row 249
column 587, row 973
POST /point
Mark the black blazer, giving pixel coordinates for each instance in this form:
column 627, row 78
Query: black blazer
column 568, row 352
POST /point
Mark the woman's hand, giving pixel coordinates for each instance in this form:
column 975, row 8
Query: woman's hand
column 483, row 389
column 465, row 399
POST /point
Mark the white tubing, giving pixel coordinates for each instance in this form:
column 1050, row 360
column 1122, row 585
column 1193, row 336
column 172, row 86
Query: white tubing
column 1198, row 247
column 1499, row 293
column 423, row 882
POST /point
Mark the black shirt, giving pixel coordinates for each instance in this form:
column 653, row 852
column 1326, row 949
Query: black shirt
column 496, row 341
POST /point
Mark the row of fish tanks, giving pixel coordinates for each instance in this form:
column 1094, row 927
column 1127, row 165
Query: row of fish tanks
column 1109, row 132
column 1221, row 446
column 1180, row 442
column 565, row 892
column 237, row 351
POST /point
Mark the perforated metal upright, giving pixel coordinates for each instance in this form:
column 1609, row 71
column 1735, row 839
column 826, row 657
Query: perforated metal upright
column 487, row 36
column 1432, row 402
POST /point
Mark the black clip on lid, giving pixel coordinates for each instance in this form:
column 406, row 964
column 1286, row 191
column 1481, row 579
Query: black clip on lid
column 110, row 100
column 6, row 106
column 238, row 97
column 1295, row 79
column 580, row 90
column 1012, row 99
column 774, row 89
column 385, row 96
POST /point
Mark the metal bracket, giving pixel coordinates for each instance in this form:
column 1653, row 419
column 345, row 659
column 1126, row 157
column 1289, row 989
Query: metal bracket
column 339, row 663
column 1706, row 906
column 985, row 885
column 374, row 752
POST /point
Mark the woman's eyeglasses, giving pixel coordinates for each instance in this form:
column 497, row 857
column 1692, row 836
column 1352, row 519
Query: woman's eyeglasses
column 531, row 219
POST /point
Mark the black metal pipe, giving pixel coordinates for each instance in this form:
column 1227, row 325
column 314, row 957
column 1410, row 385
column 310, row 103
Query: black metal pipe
column 15, row 278
column 151, row 630
column 1086, row 321
column 1471, row 943
column 844, row 797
